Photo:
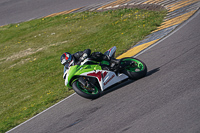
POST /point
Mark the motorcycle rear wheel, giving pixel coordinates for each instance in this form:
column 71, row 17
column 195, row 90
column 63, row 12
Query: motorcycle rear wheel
column 136, row 71
column 89, row 93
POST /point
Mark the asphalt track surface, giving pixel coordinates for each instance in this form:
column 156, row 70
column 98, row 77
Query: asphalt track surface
column 165, row 101
column 14, row 11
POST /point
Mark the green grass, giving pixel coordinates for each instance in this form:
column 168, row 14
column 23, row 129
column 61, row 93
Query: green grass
column 31, row 73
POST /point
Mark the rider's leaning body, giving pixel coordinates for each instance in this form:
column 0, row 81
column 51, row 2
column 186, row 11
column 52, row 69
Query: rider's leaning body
column 68, row 59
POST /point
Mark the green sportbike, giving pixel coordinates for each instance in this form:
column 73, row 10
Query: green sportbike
column 90, row 78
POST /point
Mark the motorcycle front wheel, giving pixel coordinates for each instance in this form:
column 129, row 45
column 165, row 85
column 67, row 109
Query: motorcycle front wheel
column 84, row 91
column 136, row 70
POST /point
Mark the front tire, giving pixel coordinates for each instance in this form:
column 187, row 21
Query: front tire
column 137, row 71
column 89, row 93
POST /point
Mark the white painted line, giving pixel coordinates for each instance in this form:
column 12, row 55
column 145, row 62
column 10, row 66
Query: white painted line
column 41, row 113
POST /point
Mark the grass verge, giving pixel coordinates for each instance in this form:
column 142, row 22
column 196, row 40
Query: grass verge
column 30, row 69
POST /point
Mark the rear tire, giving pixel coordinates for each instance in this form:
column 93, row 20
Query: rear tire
column 85, row 92
column 139, row 70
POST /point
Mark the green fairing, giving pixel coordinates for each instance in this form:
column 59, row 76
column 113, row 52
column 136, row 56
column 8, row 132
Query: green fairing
column 78, row 70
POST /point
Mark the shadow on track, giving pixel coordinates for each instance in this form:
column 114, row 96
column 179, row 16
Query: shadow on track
column 152, row 71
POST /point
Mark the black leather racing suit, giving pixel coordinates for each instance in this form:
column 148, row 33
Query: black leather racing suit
column 97, row 56
column 79, row 56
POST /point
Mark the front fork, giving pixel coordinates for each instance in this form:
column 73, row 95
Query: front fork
column 86, row 83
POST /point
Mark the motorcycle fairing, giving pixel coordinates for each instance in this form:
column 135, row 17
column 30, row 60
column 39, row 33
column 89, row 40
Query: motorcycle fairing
column 105, row 78
column 77, row 71
column 111, row 78
column 69, row 74
column 111, row 52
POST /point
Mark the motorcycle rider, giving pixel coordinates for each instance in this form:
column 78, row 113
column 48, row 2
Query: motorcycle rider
column 68, row 59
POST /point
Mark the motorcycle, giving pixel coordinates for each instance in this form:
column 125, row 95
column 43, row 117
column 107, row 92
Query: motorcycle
column 90, row 78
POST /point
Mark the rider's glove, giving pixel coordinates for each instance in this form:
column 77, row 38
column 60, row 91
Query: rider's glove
column 84, row 56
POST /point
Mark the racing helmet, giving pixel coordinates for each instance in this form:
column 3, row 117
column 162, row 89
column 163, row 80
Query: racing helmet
column 66, row 59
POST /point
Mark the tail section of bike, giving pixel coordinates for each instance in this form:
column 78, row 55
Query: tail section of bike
column 111, row 52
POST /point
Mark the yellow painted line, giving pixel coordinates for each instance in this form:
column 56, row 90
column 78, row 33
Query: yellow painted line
column 180, row 5
column 137, row 49
column 110, row 4
column 158, row 1
column 148, row 1
column 60, row 13
column 177, row 3
column 153, row 1
column 115, row 3
column 175, row 21
column 166, row 24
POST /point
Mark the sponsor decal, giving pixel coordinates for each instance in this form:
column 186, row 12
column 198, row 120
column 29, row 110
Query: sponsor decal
column 109, row 79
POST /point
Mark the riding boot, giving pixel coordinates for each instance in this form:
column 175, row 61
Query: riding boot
column 113, row 63
column 110, row 59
